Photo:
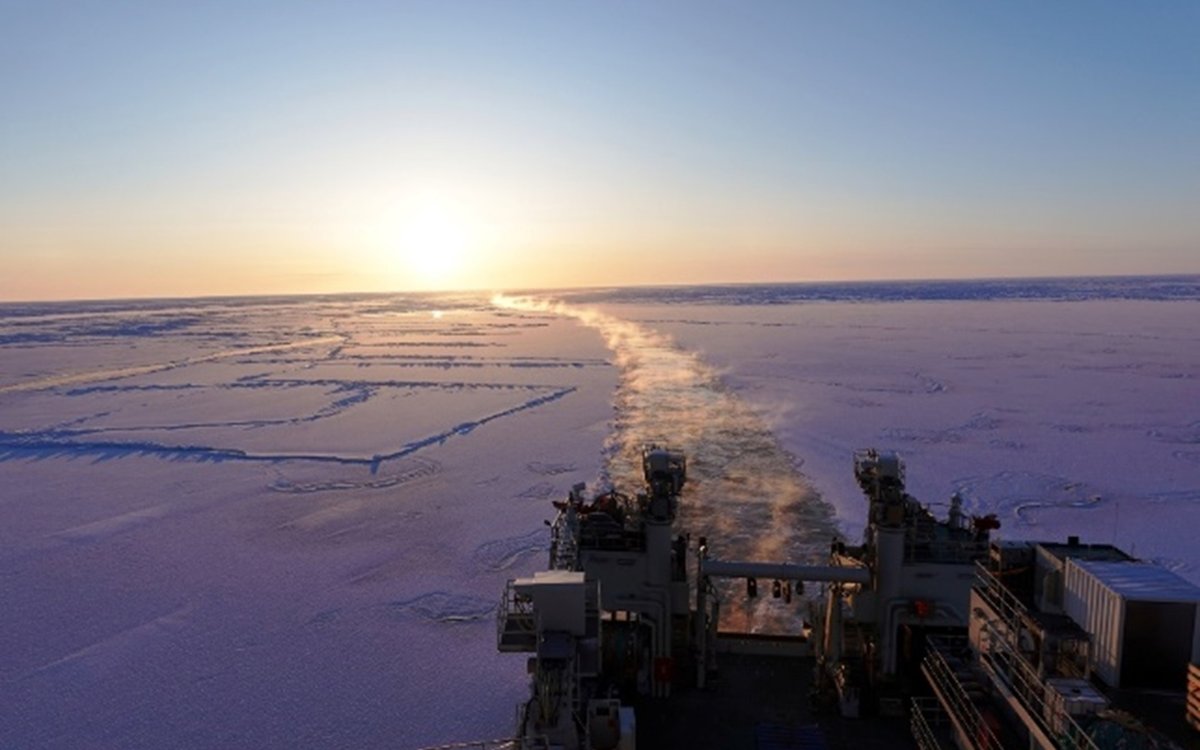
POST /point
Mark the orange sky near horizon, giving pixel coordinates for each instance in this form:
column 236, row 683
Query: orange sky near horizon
column 176, row 150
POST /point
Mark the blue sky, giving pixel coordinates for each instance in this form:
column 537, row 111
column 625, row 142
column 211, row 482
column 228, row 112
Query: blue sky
column 232, row 147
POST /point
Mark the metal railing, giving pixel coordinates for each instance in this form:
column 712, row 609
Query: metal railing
column 944, row 546
column 515, row 616
column 1006, row 661
column 1000, row 597
column 1029, row 688
column 944, row 552
column 926, row 713
column 953, row 695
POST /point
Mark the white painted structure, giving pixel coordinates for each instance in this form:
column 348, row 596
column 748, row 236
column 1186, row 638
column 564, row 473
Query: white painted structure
column 1106, row 598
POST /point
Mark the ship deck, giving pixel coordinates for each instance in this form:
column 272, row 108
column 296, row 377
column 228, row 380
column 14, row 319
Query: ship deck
column 760, row 702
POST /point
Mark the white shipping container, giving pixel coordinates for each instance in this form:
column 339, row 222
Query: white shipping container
column 1098, row 595
column 1100, row 611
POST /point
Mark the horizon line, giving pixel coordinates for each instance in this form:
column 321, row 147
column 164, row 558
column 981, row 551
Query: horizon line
column 489, row 291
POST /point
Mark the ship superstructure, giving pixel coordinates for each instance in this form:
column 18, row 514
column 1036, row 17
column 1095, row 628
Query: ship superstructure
column 609, row 617
column 930, row 633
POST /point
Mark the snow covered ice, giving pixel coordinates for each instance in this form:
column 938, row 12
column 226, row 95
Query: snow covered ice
column 285, row 522
column 277, row 523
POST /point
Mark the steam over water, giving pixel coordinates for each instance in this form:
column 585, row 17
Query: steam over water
column 744, row 492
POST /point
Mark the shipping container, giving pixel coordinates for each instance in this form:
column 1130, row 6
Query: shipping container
column 1134, row 608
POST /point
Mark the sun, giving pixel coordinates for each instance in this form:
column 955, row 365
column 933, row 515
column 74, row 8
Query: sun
column 422, row 242
column 433, row 245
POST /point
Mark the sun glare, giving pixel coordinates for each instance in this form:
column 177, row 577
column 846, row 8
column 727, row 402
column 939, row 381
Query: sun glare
column 427, row 245
column 433, row 248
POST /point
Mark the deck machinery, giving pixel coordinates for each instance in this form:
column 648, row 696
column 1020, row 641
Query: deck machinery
column 927, row 618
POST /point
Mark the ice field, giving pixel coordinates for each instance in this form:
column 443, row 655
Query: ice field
column 286, row 522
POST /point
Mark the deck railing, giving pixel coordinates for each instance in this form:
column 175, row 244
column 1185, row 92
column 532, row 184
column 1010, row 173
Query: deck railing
column 1005, row 660
column 1030, row 689
column 953, row 695
column 925, row 714
column 516, row 621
